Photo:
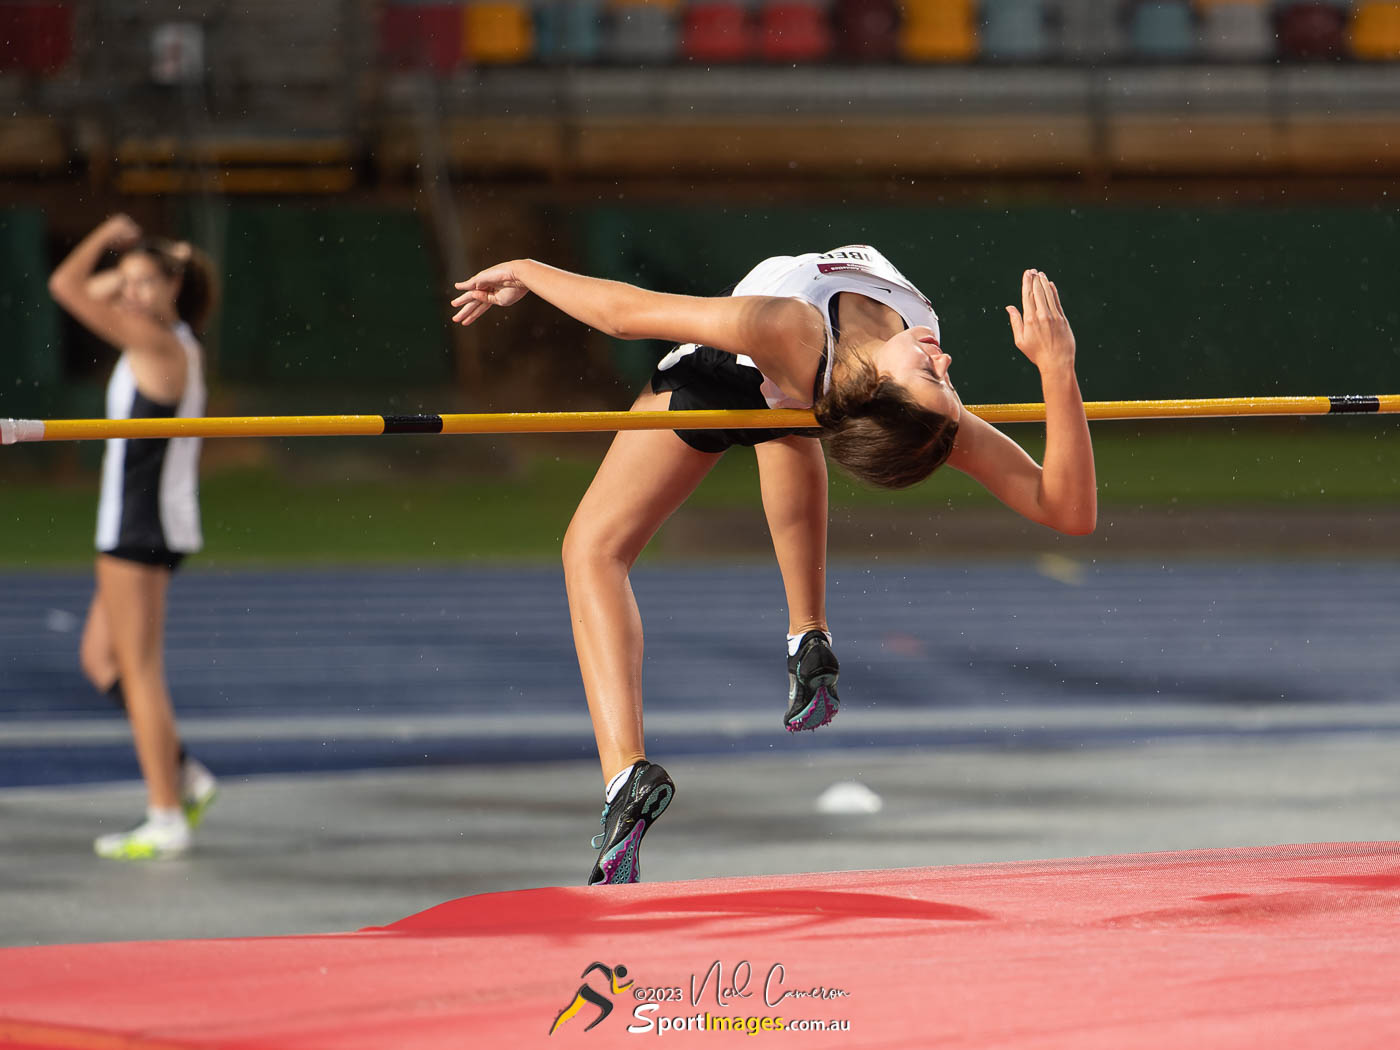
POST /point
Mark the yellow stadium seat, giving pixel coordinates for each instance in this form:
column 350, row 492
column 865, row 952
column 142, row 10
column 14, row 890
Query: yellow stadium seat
column 939, row 31
column 1375, row 31
column 497, row 33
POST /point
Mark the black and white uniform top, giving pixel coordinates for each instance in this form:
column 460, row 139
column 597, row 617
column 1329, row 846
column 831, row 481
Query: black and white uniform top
column 150, row 486
column 702, row 377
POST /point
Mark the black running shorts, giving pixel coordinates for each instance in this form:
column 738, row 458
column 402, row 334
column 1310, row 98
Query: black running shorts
column 157, row 557
column 710, row 378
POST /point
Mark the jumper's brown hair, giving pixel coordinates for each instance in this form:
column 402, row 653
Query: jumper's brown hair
column 180, row 260
column 876, row 430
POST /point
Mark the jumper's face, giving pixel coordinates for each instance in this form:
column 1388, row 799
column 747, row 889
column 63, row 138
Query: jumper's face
column 915, row 361
column 146, row 289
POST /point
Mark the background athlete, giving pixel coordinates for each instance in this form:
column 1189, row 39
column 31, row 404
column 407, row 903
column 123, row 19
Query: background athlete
column 841, row 331
column 148, row 306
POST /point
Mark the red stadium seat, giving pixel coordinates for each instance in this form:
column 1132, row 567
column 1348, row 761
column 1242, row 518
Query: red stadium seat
column 421, row 36
column 35, row 37
column 794, row 32
column 866, row 30
column 718, row 32
column 1311, row 31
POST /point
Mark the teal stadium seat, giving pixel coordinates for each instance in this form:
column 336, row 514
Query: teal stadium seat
column 1015, row 30
column 568, row 30
column 1163, row 29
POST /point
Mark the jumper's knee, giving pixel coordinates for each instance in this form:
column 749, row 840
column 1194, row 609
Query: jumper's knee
column 589, row 548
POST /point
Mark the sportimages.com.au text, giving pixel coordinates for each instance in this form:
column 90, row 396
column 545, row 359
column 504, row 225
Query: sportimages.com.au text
column 649, row 1020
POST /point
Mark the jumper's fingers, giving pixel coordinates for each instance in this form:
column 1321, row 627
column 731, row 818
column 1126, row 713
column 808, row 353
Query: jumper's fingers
column 1055, row 298
column 1027, row 292
column 1042, row 299
column 1015, row 316
column 469, row 313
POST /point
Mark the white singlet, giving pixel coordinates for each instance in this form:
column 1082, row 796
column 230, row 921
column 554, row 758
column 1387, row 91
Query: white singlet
column 818, row 279
column 150, row 487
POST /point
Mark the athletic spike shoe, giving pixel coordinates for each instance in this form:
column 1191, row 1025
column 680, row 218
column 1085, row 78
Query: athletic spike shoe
column 812, row 674
column 198, row 790
column 151, row 840
column 643, row 798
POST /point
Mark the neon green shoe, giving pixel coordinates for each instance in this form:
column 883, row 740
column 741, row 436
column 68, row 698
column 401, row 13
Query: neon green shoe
column 151, row 840
column 198, row 790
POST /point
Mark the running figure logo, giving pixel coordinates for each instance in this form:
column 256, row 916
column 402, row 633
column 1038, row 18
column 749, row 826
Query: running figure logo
column 586, row 994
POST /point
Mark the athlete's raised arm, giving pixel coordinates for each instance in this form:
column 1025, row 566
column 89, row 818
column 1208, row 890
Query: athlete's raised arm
column 1062, row 493
column 95, row 298
column 785, row 337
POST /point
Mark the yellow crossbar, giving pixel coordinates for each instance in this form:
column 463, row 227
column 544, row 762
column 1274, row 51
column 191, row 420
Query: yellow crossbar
column 18, row 430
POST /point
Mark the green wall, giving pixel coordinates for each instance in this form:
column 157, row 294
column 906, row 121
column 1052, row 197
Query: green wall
column 33, row 363
column 1165, row 301
column 333, row 295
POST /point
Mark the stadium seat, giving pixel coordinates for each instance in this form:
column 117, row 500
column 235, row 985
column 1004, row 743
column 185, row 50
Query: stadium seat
column 1091, row 30
column 794, row 31
column 641, row 32
column 497, row 33
column 1240, row 30
column 1015, row 30
column 568, row 30
column 35, row 37
column 1375, row 31
column 421, row 36
column 1310, row 31
column 1163, row 29
column 718, row 32
column 866, row 30
column 939, row 31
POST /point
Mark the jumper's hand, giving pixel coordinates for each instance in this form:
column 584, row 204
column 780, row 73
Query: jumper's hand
column 1043, row 333
column 119, row 232
column 496, row 286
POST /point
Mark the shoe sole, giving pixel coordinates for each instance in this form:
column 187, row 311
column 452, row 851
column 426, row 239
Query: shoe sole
column 820, row 710
column 622, row 865
column 140, row 852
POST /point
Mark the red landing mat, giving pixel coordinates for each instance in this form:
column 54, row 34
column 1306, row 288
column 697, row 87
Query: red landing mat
column 1295, row 946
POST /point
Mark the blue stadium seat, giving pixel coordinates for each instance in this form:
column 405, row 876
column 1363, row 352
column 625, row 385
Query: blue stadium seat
column 1015, row 30
column 1163, row 29
column 568, row 30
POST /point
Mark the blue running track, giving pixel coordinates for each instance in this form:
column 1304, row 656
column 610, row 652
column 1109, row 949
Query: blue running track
column 335, row 670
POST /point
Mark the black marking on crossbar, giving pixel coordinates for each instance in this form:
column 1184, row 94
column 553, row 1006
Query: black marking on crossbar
column 424, row 424
column 1354, row 403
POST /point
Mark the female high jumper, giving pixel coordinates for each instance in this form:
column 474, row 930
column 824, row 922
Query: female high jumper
column 148, row 306
column 842, row 332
